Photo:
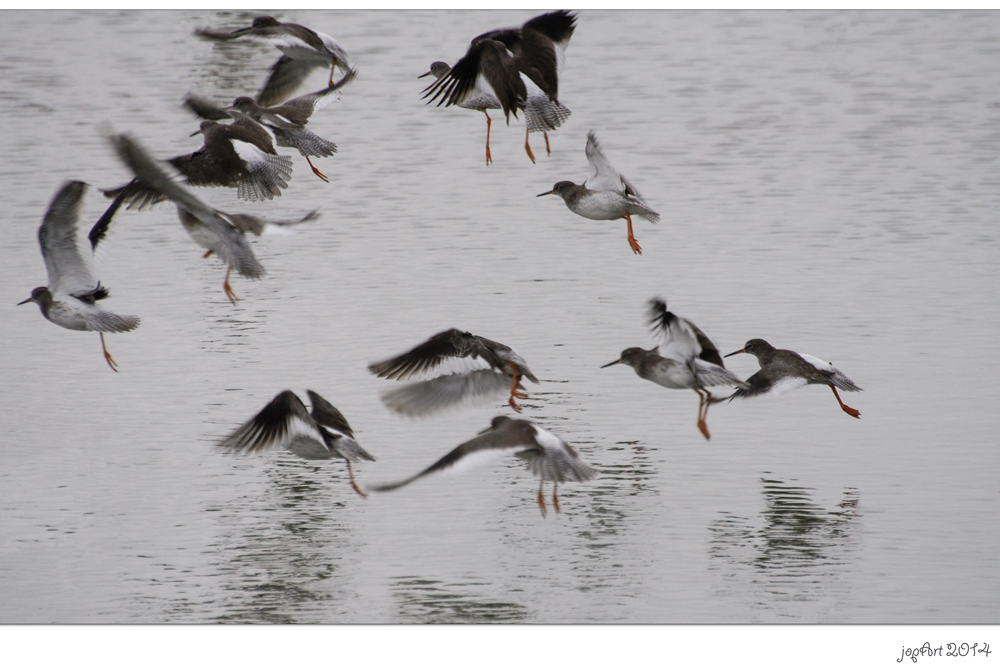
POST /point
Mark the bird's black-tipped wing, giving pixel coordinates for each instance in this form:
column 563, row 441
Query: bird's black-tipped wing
column 281, row 420
column 326, row 415
column 491, row 445
column 431, row 353
column 205, row 108
column 665, row 323
column 489, row 59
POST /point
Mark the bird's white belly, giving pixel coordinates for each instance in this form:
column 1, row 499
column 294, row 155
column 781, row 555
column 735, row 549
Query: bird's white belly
column 68, row 316
column 600, row 206
column 672, row 376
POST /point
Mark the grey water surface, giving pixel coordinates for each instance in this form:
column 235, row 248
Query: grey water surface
column 827, row 181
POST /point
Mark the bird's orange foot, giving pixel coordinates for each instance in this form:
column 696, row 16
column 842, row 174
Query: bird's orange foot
column 207, row 254
column 518, row 394
column 320, row 174
column 634, row 245
column 555, row 502
column 703, row 427
column 111, row 362
column 357, row 490
column 514, row 405
column 541, row 503
column 851, row 411
column 230, row 293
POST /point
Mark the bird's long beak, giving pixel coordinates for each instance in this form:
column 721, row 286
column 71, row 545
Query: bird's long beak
column 550, row 192
column 616, row 361
column 198, row 131
column 241, row 31
column 28, row 300
column 423, row 75
column 736, row 352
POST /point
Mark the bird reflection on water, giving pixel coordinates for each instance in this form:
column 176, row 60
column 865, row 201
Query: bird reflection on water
column 798, row 554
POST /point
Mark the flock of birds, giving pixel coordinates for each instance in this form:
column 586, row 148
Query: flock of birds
column 511, row 70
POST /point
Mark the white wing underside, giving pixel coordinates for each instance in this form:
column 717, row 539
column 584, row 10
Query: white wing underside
column 68, row 271
column 785, row 385
column 679, row 341
column 603, row 175
column 713, row 375
column 308, row 447
column 419, row 399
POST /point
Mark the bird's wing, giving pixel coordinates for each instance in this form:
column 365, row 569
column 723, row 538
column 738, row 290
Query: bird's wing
column 305, row 105
column 282, row 421
column 255, row 225
column 427, row 356
column 484, row 448
column 761, row 383
column 268, row 173
column 235, row 251
column 678, row 337
column 486, row 67
column 67, row 269
column 834, row 376
column 420, row 399
column 557, row 461
column 603, row 175
column 541, row 53
column 326, row 415
column 213, row 35
column 709, row 374
column 286, row 76
column 204, row 108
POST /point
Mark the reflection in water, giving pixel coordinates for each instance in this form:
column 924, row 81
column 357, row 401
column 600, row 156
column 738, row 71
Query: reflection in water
column 279, row 551
column 799, row 554
column 430, row 601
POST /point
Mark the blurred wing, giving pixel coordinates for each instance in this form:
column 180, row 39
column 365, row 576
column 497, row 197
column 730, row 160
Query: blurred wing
column 281, row 422
column 205, row 108
column 603, row 175
column 424, row 398
column 325, row 414
column 838, row 379
column 557, row 461
column 235, row 250
column 479, row 451
column 711, row 375
column 424, row 357
column 286, row 76
column 68, row 272
column 307, row 104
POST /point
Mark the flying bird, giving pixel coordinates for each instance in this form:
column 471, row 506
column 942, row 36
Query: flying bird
column 70, row 299
column 548, row 457
column 781, row 371
column 284, row 422
column 303, row 51
column 516, row 68
column 500, row 367
column 605, row 195
column 210, row 228
column 240, row 155
column 685, row 358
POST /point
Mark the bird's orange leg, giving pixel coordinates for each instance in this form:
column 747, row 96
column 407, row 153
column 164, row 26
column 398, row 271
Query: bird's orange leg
column 207, row 254
column 702, row 413
column 514, row 393
column 107, row 355
column 488, row 123
column 555, row 498
column 332, row 70
column 229, row 290
column 541, row 499
column 631, row 237
column 527, row 148
column 354, row 486
column 547, row 149
column 317, row 171
column 849, row 410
